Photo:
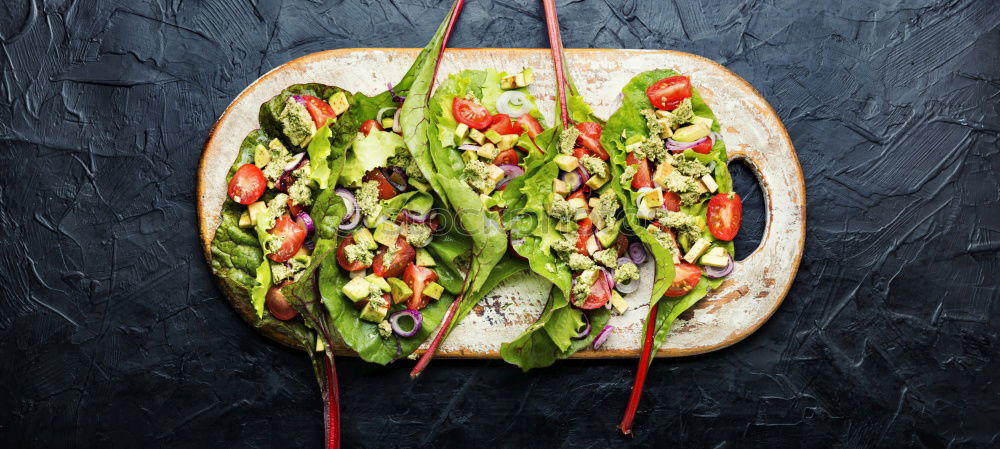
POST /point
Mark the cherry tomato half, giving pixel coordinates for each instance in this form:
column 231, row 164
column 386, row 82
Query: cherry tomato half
column 368, row 126
column 473, row 114
column 247, row 184
column 600, row 293
column 585, row 231
column 725, row 213
column 668, row 93
column 278, row 305
column 686, row 277
column 530, row 125
column 642, row 177
column 417, row 277
column 342, row 258
column 704, row 147
column 385, row 189
column 319, row 110
column 403, row 257
column 292, row 236
column 590, row 138
column 502, row 125
column 671, row 201
column 507, row 157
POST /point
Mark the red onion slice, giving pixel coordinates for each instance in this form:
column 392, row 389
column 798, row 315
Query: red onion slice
column 716, row 272
column 608, row 277
column 586, row 329
column 584, row 175
column 396, row 126
column 603, row 336
column 306, row 222
column 397, row 177
column 637, row 252
column 350, row 224
column 295, row 162
column 349, row 201
column 677, row 147
column 573, row 179
column 510, row 171
column 397, row 329
column 415, row 217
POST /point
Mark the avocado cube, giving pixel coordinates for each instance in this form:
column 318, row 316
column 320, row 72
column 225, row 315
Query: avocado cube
column 357, row 274
column 363, row 237
column 245, row 220
column 608, row 235
column 374, row 313
column 357, row 289
column 567, row 162
column 715, row 257
column 387, row 123
column 424, row 258
column 644, row 212
column 469, row 156
column 703, row 121
column 378, row 282
column 461, row 131
column 565, row 226
column 523, row 79
column 691, row 133
column 665, row 125
column 662, row 171
column 488, row 151
column 387, row 232
column 697, row 250
column 493, row 136
column 254, row 210
column 434, row 290
column 507, row 141
column 653, row 198
column 261, row 156
column 587, row 277
column 560, row 187
column 477, row 136
column 618, row 303
column 529, row 76
column 595, row 182
column 710, row 183
column 338, row 102
column 399, row 290
column 577, row 203
column 375, row 217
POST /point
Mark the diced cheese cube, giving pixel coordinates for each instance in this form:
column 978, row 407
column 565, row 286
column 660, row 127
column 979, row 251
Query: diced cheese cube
column 595, row 182
column 488, row 151
column 566, row 162
column 697, row 250
column 618, row 303
column 662, row 171
column 245, row 220
column 594, row 201
column 645, row 213
column 560, row 187
column 709, row 182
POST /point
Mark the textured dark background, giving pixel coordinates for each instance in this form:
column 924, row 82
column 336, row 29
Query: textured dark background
column 114, row 335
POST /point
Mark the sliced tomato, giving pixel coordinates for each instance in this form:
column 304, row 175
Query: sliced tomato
column 529, row 125
column 686, row 277
column 590, row 138
column 704, row 147
column 398, row 263
column 725, row 213
column 292, row 236
column 642, row 176
column 319, row 110
column 368, row 126
column 668, row 93
column 621, row 244
column 501, row 124
column 507, row 157
column 342, row 258
column 417, row 278
column 278, row 305
column 671, row 201
column 385, row 189
column 247, row 184
column 585, row 231
column 600, row 293
column 579, row 152
column 472, row 114
column 295, row 209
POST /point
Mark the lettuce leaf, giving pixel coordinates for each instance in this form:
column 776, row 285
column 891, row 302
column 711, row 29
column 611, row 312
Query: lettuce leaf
column 371, row 151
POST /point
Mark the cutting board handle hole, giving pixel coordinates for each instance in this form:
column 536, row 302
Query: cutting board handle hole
column 747, row 186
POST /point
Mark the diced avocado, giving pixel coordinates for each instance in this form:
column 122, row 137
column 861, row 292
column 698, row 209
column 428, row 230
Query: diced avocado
column 387, row 123
column 560, row 187
column 357, row 274
column 362, row 236
column 579, row 214
column 618, row 302
column 338, row 102
column 565, row 226
column 523, row 79
column 374, row 313
column 245, row 220
column 254, row 210
column 715, row 257
column 424, row 258
column 493, row 136
column 665, row 131
column 608, row 235
column 399, row 290
column 488, row 151
column 662, row 171
column 261, row 156
column 461, row 131
column 697, row 250
column 477, row 136
column 320, row 346
column 691, row 133
column 470, row 155
column 710, row 183
column 387, row 232
column 567, row 162
column 507, row 141
column 373, row 219
column 357, row 289
column 378, row 282
column 587, row 277
column 653, row 198
column 434, row 290
column 301, row 256
column 703, row 121
column 595, row 182
column 645, row 212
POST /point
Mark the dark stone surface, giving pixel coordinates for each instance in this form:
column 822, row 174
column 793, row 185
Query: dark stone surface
column 113, row 334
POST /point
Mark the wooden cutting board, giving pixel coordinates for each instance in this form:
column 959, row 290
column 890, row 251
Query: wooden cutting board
column 751, row 129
